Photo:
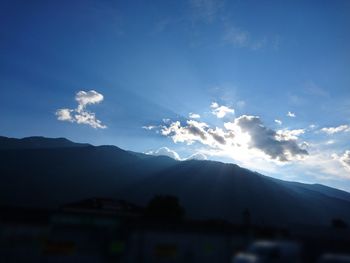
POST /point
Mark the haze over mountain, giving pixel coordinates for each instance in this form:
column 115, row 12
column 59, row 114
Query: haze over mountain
column 45, row 172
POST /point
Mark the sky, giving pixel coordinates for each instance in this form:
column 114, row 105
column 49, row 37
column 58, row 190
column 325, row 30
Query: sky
column 263, row 84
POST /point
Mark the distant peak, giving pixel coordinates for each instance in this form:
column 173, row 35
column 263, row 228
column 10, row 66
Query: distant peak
column 37, row 142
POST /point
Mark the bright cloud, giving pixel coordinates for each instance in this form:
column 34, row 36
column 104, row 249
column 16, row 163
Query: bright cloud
column 281, row 146
column 165, row 151
column 85, row 98
column 80, row 115
column 220, row 111
column 149, row 127
column 291, row 114
column 194, row 115
column 193, row 131
column 279, row 122
column 64, row 115
column 245, row 132
column 333, row 130
column 344, row 159
column 247, row 141
column 289, row 134
column 197, row 156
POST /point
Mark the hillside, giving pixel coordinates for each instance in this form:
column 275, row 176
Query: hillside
column 51, row 172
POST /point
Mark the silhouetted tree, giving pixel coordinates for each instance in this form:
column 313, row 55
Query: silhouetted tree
column 339, row 223
column 165, row 206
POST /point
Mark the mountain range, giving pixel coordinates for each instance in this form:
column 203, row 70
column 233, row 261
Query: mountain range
column 49, row 172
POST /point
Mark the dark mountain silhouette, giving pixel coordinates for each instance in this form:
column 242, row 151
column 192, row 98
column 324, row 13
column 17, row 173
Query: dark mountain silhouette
column 44, row 172
column 37, row 142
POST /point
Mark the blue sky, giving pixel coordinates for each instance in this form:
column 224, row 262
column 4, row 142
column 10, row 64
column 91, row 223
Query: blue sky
column 129, row 73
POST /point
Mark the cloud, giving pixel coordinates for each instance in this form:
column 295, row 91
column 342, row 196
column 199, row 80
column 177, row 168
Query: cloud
column 165, row 151
column 246, row 133
column 89, row 118
column 194, row 115
column 197, row 156
column 329, row 142
column 64, row 115
column 220, row 111
column 80, row 115
column 345, row 159
column 291, row 114
column 193, row 131
column 280, row 146
column 333, row 130
column 90, row 97
column 149, row 127
column 218, row 135
column 321, row 165
column 279, row 122
column 289, row 134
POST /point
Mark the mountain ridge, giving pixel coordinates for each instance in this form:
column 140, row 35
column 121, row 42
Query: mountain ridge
column 50, row 175
column 36, row 142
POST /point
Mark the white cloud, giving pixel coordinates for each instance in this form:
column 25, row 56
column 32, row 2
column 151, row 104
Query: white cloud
column 321, row 165
column 333, row 130
column 291, row 114
column 286, row 134
column 64, row 115
column 165, row 151
column 149, row 127
column 245, row 133
column 248, row 142
column 280, row 146
column 80, row 115
column 343, row 159
column 194, row 115
column 193, row 131
column 214, row 105
column 89, row 118
column 220, row 111
column 329, row 142
column 197, row 156
column 85, row 98
column 279, row 122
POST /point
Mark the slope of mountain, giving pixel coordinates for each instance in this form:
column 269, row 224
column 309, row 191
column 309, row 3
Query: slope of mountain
column 37, row 142
column 53, row 174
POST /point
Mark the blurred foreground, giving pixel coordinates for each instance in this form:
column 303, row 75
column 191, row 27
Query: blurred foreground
column 106, row 230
